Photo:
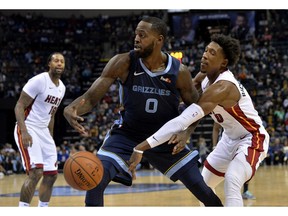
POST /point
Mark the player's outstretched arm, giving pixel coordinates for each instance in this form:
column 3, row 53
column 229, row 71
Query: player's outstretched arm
column 117, row 67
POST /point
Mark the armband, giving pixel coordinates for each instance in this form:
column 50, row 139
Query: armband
column 138, row 151
column 190, row 115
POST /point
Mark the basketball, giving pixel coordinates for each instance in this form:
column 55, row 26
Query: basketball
column 83, row 170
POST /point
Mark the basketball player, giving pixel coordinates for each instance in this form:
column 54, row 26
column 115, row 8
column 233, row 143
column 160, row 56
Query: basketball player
column 244, row 141
column 152, row 84
column 35, row 111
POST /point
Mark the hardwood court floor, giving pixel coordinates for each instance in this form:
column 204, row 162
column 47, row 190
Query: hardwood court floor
column 270, row 186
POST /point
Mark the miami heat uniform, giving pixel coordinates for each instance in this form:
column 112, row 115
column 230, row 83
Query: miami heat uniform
column 243, row 130
column 47, row 97
column 241, row 149
column 149, row 99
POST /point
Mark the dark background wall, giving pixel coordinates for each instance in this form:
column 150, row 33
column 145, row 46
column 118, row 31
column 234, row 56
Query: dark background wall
column 7, row 119
column 75, row 13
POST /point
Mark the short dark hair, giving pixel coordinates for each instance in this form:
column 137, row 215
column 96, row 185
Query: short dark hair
column 158, row 25
column 230, row 46
column 50, row 56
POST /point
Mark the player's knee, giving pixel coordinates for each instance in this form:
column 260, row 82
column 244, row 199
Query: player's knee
column 232, row 181
column 49, row 180
column 36, row 174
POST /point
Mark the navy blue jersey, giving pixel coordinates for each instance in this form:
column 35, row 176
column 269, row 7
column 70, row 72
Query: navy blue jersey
column 150, row 99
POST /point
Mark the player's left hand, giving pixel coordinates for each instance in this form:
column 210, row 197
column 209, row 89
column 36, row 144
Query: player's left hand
column 179, row 140
column 134, row 160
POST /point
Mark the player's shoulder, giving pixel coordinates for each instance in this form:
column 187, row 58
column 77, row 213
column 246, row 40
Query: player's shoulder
column 62, row 84
column 226, row 78
column 120, row 59
column 183, row 69
column 42, row 74
column 36, row 84
column 226, row 75
column 121, row 56
column 38, row 77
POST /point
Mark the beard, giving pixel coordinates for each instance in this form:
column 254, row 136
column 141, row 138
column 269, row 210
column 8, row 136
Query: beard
column 146, row 52
column 57, row 72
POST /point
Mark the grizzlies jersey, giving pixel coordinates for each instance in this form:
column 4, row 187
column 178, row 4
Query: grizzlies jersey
column 150, row 99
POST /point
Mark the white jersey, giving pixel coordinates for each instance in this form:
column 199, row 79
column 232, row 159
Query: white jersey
column 47, row 97
column 242, row 118
column 242, row 147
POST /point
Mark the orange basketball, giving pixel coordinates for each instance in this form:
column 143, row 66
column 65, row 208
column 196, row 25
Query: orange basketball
column 83, row 170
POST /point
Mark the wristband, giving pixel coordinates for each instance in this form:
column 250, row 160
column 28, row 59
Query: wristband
column 137, row 151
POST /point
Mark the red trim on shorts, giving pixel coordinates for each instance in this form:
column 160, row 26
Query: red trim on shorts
column 39, row 166
column 53, row 172
column 209, row 167
column 24, row 151
column 253, row 158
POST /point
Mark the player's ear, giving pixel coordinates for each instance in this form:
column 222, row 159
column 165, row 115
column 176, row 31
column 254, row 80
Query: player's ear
column 224, row 63
column 160, row 39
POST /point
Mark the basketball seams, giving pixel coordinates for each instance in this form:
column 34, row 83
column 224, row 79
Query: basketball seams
column 69, row 175
column 96, row 162
column 83, row 168
column 78, row 180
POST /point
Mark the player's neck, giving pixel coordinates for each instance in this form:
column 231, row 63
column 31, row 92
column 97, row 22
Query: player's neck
column 54, row 79
column 156, row 63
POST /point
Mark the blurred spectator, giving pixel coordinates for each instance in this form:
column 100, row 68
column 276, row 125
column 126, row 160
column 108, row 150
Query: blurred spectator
column 187, row 30
column 241, row 30
column 62, row 155
column 203, row 149
column 275, row 154
column 87, row 72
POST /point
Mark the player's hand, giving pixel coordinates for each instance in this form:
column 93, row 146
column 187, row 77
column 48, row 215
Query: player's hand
column 70, row 113
column 179, row 140
column 134, row 160
column 26, row 139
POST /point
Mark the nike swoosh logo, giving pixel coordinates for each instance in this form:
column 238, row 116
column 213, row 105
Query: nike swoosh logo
column 137, row 74
column 155, row 139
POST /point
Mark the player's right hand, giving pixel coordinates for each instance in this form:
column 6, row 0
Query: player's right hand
column 70, row 113
column 26, row 139
column 134, row 160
